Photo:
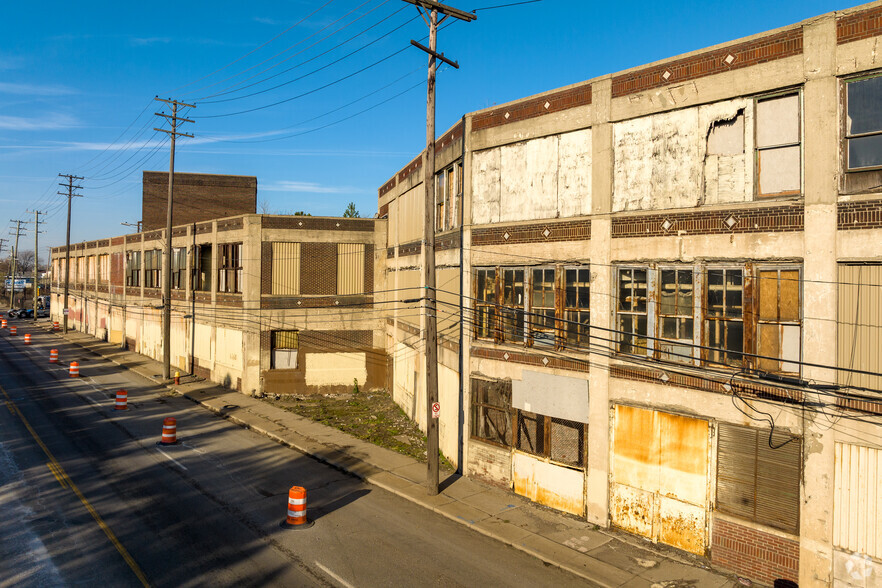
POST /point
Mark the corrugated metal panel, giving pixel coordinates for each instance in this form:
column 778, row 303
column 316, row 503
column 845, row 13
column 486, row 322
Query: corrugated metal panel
column 857, row 499
column 350, row 268
column 757, row 482
column 860, row 323
column 286, row 269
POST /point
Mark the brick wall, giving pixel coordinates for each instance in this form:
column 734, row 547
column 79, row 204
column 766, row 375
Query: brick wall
column 752, row 553
column 490, row 464
column 197, row 197
column 266, row 267
column 863, row 214
column 368, row 269
column 769, row 48
column 860, row 25
column 117, row 269
column 309, row 223
column 767, row 219
column 534, row 358
column 318, row 269
column 543, row 232
column 533, row 107
column 336, row 341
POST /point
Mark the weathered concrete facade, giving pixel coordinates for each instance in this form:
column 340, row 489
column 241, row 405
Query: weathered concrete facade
column 262, row 304
column 658, row 300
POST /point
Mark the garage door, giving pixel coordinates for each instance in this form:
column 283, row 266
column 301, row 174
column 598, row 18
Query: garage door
column 660, row 477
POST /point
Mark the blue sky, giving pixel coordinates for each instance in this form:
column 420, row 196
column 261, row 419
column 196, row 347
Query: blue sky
column 335, row 94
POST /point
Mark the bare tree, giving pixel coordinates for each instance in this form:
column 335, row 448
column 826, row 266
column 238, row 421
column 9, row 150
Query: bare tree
column 24, row 263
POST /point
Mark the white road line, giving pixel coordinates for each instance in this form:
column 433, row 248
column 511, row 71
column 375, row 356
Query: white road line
column 333, row 575
column 179, row 464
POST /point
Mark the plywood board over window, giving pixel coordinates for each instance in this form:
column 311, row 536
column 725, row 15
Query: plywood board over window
column 286, row 269
column 859, row 324
column 778, row 149
column 350, row 268
column 857, row 499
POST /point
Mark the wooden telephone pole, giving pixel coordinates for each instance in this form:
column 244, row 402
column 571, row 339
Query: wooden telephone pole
column 173, row 119
column 37, row 222
column 70, row 196
column 429, row 9
column 18, row 225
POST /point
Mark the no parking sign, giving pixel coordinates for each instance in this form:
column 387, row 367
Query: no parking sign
column 436, row 410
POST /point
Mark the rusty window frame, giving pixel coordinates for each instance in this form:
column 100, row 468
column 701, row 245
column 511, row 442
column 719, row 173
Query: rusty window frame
column 788, row 313
column 758, row 476
column 491, row 410
column 448, row 192
column 758, row 150
column 511, row 315
column 576, row 328
column 229, row 271
column 630, row 307
column 680, row 314
column 542, row 316
column 441, row 179
column 551, row 438
column 729, row 321
column 486, row 303
column 152, row 268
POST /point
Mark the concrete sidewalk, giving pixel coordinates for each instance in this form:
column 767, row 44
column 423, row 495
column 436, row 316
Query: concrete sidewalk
column 602, row 557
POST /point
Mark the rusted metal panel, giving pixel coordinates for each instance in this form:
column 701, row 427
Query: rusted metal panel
column 857, row 499
column 554, row 486
column 660, row 477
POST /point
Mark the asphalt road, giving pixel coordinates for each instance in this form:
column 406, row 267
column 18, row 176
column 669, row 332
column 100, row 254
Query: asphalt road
column 88, row 498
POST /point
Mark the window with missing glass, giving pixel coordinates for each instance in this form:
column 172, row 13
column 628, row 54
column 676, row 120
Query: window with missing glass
column 201, row 271
column 229, row 276
column 511, row 312
column 863, row 123
column 577, row 314
column 632, row 308
column 179, row 267
column 283, row 349
column 676, row 310
column 491, row 411
column 724, row 322
column 485, row 303
column 542, row 307
column 559, row 440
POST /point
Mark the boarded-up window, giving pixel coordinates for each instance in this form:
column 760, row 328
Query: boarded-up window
column 491, row 410
column 284, row 350
column 863, row 132
column 350, row 268
column 779, row 330
column 286, row 269
column 103, row 267
column 81, row 269
column 90, row 268
column 778, row 151
column 758, row 475
column 859, row 324
column 857, row 499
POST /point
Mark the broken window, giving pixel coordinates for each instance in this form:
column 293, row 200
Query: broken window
column 491, row 411
column 542, row 307
column 779, row 329
column 577, row 290
column 758, row 476
column 485, row 303
column 448, row 192
column 557, row 439
column 778, row 146
column 724, row 322
column 284, row 345
column 229, row 276
column 152, row 267
column 863, row 131
column 632, row 311
column 202, row 268
column 676, row 315
column 512, row 304
column 133, row 269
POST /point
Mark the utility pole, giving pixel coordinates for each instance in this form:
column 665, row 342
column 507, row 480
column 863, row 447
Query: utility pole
column 37, row 222
column 173, row 119
column 18, row 225
column 136, row 224
column 432, row 8
column 70, row 195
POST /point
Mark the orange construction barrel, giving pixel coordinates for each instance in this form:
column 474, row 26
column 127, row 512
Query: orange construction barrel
column 27, row 338
column 53, row 356
column 54, row 325
column 122, row 399
column 13, row 330
column 2, row 323
column 169, row 431
column 296, row 518
column 74, row 369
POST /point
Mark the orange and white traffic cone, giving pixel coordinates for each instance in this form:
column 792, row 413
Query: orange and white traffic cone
column 122, row 399
column 296, row 518
column 53, row 356
column 2, row 323
column 27, row 338
column 74, row 369
column 13, row 330
column 169, row 431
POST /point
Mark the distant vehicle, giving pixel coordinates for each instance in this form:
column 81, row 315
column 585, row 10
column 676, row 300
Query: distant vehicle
column 42, row 312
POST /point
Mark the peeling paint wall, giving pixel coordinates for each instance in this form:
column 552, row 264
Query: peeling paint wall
column 335, row 369
column 554, row 486
column 685, row 158
column 547, row 177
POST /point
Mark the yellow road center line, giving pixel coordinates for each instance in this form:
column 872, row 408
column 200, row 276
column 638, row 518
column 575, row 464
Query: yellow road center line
column 57, row 474
column 63, row 479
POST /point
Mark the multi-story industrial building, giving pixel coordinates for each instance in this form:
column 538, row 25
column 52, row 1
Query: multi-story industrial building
column 669, row 281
